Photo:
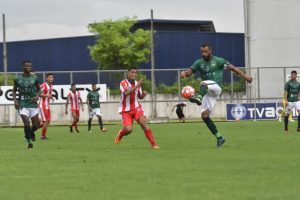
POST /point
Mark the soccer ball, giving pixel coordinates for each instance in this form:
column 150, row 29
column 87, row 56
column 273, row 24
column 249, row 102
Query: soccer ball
column 187, row 92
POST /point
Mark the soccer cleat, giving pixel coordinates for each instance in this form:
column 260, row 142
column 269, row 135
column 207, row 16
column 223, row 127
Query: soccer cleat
column 104, row 130
column 220, row 141
column 286, row 130
column 291, row 120
column 90, row 131
column 279, row 119
column 71, row 129
column 195, row 100
column 155, row 147
column 33, row 136
column 44, row 138
column 30, row 146
column 118, row 138
column 298, row 129
column 76, row 129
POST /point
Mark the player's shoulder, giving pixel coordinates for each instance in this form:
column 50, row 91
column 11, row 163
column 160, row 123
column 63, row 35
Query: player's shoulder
column 218, row 58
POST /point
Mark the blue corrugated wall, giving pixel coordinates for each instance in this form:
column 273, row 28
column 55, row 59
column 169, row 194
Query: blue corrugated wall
column 172, row 50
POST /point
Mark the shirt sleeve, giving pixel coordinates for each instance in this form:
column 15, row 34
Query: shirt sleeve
column 123, row 87
column 286, row 86
column 195, row 66
column 224, row 63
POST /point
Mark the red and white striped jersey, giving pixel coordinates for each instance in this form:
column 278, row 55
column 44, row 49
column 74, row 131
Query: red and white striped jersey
column 131, row 101
column 73, row 98
column 44, row 102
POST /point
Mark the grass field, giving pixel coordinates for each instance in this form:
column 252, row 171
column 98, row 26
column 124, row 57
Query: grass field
column 258, row 161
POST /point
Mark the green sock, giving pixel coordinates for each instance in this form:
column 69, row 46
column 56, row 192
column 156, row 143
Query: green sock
column 29, row 141
column 202, row 92
column 212, row 127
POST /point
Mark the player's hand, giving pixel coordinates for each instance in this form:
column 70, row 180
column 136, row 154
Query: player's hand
column 248, row 78
column 139, row 83
column 66, row 112
column 144, row 93
column 34, row 99
column 183, row 74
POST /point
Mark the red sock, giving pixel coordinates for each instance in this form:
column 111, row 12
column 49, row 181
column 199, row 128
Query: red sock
column 44, row 132
column 122, row 132
column 149, row 135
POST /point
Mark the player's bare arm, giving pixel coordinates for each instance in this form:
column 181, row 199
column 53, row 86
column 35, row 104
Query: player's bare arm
column 67, row 103
column 144, row 94
column 17, row 105
column 240, row 73
column 80, row 100
column 88, row 103
column 285, row 98
column 186, row 73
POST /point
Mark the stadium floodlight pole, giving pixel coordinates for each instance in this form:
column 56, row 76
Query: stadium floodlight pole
column 153, row 93
column 4, row 51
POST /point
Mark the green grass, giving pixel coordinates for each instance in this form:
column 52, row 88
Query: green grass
column 258, row 161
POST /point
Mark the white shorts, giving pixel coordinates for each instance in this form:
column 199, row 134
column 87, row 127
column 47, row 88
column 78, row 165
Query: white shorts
column 209, row 100
column 95, row 111
column 29, row 112
column 292, row 105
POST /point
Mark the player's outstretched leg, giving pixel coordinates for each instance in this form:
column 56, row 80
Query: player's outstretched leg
column 203, row 91
column 148, row 133
column 123, row 132
column 101, row 124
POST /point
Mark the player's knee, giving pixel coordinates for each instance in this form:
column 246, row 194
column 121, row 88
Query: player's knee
column 128, row 130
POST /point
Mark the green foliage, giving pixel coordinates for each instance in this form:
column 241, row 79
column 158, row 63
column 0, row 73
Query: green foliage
column 10, row 79
column 117, row 47
column 238, row 86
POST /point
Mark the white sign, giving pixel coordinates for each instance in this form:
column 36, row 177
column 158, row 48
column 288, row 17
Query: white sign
column 60, row 93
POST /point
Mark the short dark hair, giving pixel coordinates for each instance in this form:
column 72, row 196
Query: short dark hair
column 94, row 84
column 294, row 72
column 131, row 68
column 73, row 84
column 49, row 74
column 206, row 45
column 25, row 61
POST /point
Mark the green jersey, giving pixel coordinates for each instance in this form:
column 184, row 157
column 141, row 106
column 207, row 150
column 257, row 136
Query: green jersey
column 292, row 87
column 212, row 69
column 27, row 90
column 93, row 98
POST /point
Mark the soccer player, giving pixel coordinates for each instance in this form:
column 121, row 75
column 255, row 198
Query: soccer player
column 179, row 111
column 44, row 103
column 131, row 109
column 29, row 89
column 94, row 107
column 74, row 98
column 292, row 97
column 211, row 72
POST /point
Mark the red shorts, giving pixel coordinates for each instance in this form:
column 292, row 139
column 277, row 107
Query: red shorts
column 127, row 117
column 45, row 114
column 77, row 113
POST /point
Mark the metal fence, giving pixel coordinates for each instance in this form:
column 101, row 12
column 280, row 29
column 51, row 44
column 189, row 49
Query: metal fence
column 267, row 86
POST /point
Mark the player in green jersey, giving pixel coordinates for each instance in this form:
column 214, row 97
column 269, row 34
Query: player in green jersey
column 291, row 99
column 94, row 107
column 29, row 89
column 211, row 72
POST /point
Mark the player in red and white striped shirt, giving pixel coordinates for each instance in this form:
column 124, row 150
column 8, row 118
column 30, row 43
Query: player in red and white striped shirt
column 74, row 99
column 44, row 103
column 131, row 109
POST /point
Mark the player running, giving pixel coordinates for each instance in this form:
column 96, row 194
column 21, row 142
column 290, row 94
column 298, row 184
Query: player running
column 93, row 103
column 44, row 103
column 292, row 97
column 29, row 89
column 179, row 111
column 131, row 109
column 211, row 72
column 74, row 98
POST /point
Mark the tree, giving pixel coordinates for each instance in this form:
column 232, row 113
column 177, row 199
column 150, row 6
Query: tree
column 117, row 46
